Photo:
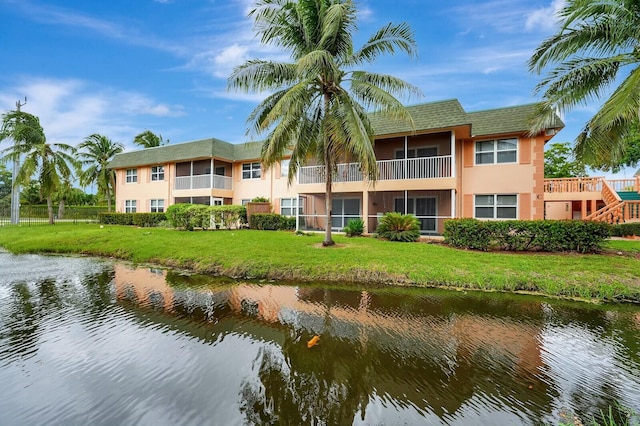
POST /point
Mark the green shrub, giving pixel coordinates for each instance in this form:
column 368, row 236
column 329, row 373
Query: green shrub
column 137, row 219
column 266, row 221
column 625, row 229
column 467, row 233
column 399, row 227
column 260, row 200
column 191, row 216
column 526, row 235
column 288, row 223
column 354, row 228
column 179, row 217
column 229, row 216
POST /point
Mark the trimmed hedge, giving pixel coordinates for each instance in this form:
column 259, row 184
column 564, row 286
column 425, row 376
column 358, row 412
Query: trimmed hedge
column 625, row 229
column 137, row 219
column 191, row 216
column 527, row 235
column 272, row 222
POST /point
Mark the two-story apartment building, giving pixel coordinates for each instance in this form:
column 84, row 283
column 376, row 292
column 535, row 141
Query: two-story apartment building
column 452, row 163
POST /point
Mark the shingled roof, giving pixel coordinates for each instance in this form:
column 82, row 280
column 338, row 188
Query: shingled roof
column 514, row 119
column 429, row 116
column 434, row 115
column 205, row 148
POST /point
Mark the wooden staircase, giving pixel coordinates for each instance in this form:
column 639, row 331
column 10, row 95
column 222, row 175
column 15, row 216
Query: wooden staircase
column 616, row 209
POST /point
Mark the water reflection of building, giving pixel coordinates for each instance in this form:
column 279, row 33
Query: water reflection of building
column 143, row 285
column 448, row 348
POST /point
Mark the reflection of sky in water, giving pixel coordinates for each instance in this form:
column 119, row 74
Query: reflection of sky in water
column 584, row 364
column 133, row 349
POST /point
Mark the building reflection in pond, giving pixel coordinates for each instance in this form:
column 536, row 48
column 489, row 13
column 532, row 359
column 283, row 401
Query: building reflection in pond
column 418, row 351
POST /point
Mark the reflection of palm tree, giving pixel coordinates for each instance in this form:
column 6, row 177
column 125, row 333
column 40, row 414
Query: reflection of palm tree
column 21, row 326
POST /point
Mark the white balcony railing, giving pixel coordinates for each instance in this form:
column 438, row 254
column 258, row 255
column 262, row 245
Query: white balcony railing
column 203, row 182
column 412, row 168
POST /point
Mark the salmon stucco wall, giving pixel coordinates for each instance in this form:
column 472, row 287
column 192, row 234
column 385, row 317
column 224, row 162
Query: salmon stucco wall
column 508, row 178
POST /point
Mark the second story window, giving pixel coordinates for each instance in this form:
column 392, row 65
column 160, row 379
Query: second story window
column 497, row 151
column 157, row 173
column 131, row 176
column 284, row 168
column 251, row 171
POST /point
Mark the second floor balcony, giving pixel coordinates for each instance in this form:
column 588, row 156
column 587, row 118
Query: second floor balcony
column 204, row 182
column 412, row 168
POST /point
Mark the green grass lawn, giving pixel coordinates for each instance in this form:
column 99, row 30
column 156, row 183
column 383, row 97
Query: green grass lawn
column 287, row 256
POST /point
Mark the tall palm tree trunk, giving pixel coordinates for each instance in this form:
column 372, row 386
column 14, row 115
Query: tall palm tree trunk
column 50, row 209
column 328, row 240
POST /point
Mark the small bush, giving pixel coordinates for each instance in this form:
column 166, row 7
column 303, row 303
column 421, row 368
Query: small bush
column 288, row 223
column 260, row 200
column 265, row 221
column 179, row 216
column 399, row 227
column 354, row 228
column 526, row 235
column 191, row 216
column 137, row 219
column 625, row 229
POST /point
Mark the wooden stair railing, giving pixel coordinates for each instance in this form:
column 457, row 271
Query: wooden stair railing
column 613, row 210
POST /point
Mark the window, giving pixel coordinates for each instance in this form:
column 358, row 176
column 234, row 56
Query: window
column 288, row 206
column 219, row 171
column 496, row 206
column 496, row 151
column 245, row 201
column 343, row 211
column 157, row 173
column 157, row 206
column 130, row 206
column 251, row 171
column 131, row 176
column 424, row 208
column 284, row 168
column 431, row 151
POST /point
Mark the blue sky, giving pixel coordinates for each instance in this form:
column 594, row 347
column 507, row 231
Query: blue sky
column 119, row 67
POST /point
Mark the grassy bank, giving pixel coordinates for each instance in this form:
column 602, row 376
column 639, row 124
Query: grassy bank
column 284, row 255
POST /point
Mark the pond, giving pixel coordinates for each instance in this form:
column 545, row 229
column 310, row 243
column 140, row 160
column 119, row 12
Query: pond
column 86, row 341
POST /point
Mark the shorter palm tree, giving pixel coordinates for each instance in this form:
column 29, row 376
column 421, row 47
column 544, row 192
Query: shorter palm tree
column 148, row 139
column 96, row 151
column 52, row 163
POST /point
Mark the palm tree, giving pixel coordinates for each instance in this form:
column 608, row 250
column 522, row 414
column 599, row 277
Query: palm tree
column 52, row 163
column 148, row 139
column 596, row 44
column 96, row 151
column 311, row 111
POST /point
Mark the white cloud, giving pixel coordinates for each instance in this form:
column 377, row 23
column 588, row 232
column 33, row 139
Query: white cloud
column 546, row 17
column 229, row 58
column 70, row 109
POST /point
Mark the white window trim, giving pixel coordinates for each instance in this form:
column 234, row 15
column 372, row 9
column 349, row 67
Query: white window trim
column 495, row 207
column 157, row 173
column 251, row 170
column 151, row 206
column 133, row 175
column 294, row 207
column 495, row 152
column 133, row 204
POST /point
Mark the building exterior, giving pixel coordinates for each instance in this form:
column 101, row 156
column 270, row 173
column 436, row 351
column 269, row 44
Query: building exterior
column 452, row 163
